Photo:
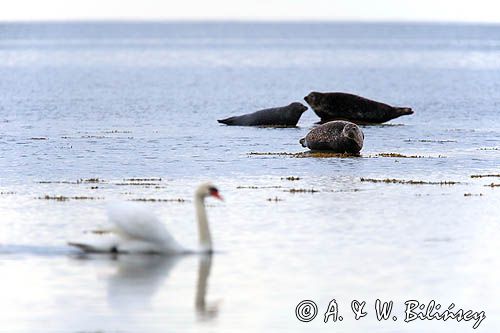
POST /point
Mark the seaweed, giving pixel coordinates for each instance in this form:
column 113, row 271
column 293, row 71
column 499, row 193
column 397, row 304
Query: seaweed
column 157, row 200
column 89, row 180
column 275, row 199
column 314, row 154
column 398, row 155
column 410, row 182
column 64, row 198
column 153, row 179
column 116, row 131
column 137, row 184
column 484, row 176
column 428, row 140
column 301, row 190
column 257, row 187
column 291, row 178
column 56, row 182
column 78, row 181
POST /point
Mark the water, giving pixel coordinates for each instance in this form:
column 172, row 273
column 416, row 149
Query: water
column 133, row 100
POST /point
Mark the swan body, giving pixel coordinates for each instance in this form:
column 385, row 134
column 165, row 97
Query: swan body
column 136, row 230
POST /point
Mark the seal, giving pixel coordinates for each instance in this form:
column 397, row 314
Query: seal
column 337, row 136
column 281, row 116
column 360, row 110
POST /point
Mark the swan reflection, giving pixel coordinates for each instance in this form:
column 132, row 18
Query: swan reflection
column 136, row 279
column 203, row 310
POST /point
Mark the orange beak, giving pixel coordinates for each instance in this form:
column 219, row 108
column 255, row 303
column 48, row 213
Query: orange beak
column 216, row 195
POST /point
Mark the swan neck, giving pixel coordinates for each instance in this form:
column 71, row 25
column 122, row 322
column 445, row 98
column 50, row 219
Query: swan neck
column 205, row 238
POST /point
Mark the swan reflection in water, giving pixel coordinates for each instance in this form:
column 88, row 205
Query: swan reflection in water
column 138, row 278
column 204, row 311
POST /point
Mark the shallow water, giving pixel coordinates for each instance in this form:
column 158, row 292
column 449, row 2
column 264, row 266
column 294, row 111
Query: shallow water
column 121, row 101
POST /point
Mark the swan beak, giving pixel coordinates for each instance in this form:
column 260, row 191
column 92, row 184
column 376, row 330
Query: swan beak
column 216, row 195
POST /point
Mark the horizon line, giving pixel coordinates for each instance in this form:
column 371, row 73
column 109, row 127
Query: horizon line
column 246, row 21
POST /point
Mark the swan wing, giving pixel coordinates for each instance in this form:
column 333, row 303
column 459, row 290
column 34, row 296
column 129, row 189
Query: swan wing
column 135, row 222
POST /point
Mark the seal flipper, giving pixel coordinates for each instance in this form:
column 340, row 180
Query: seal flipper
column 303, row 142
column 227, row 121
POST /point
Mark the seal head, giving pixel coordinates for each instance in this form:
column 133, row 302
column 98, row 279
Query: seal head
column 354, row 137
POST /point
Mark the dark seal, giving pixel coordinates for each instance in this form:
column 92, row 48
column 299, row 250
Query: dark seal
column 360, row 110
column 281, row 116
column 336, row 136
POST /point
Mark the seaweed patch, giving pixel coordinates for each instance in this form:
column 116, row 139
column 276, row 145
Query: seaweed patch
column 291, row 178
column 301, row 190
column 64, row 198
column 158, row 200
column 428, row 140
column 275, row 199
column 484, row 176
column 410, row 182
column 313, row 154
column 153, row 179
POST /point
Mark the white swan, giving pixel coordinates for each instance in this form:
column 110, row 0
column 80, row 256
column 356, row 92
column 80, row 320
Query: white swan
column 136, row 230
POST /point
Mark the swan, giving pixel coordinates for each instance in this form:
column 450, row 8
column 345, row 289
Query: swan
column 136, row 230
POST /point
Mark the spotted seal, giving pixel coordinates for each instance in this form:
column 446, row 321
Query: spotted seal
column 359, row 110
column 280, row 116
column 337, row 136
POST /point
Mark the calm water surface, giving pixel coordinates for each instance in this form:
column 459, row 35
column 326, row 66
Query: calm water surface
column 120, row 101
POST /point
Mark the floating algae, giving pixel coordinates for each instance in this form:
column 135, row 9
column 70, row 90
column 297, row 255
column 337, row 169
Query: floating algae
column 291, row 178
column 154, row 179
column 492, row 185
column 57, row 182
column 301, row 190
column 138, row 184
column 398, row 155
column 78, row 181
column 427, row 140
column 89, row 180
column 410, row 182
column 116, row 131
column 64, row 198
column 258, row 187
column 327, row 154
column 473, row 195
column 484, row 176
column 157, row 200
column 275, row 199
column 313, row 154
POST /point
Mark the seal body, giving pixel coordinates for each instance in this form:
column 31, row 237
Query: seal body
column 336, row 136
column 281, row 116
column 360, row 110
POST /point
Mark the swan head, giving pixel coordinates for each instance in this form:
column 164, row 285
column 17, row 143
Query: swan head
column 208, row 190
